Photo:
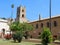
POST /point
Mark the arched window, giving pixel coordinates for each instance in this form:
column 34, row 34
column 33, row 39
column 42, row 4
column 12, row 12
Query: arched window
column 47, row 24
column 41, row 24
column 22, row 10
column 55, row 23
column 36, row 26
column 22, row 15
column 39, row 33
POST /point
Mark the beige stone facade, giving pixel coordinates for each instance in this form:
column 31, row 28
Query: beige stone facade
column 21, row 14
column 38, row 25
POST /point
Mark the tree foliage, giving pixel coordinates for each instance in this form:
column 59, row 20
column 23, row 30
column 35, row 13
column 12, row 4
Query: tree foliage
column 19, row 29
column 27, row 27
column 46, row 36
column 22, row 27
column 15, row 26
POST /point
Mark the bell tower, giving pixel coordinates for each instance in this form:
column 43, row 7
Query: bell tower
column 21, row 14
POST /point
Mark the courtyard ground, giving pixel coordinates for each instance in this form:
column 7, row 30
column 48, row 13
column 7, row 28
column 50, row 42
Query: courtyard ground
column 24, row 42
column 10, row 42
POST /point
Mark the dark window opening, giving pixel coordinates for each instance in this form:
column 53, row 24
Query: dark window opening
column 39, row 33
column 36, row 26
column 47, row 24
column 41, row 24
column 55, row 23
column 54, row 37
column 22, row 10
column 22, row 15
column 31, row 36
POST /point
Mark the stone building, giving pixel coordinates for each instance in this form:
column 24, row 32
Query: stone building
column 38, row 26
column 4, row 27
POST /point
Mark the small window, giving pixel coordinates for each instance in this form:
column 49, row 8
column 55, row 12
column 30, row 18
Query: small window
column 31, row 36
column 39, row 33
column 41, row 24
column 55, row 23
column 36, row 26
column 54, row 37
column 47, row 24
column 22, row 10
column 22, row 15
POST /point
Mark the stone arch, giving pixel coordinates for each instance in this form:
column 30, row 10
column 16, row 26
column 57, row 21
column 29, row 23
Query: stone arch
column 3, row 31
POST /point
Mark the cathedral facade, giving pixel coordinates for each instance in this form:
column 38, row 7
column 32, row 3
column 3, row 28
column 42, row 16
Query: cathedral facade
column 39, row 24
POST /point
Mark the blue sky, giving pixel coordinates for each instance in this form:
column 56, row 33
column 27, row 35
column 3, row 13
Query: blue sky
column 33, row 8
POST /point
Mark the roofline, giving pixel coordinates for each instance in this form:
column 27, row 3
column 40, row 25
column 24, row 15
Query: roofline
column 46, row 19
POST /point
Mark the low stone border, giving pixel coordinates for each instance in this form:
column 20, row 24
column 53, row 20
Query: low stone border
column 57, row 42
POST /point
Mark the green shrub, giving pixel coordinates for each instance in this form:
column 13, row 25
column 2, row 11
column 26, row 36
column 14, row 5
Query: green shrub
column 17, row 37
column 46, row 36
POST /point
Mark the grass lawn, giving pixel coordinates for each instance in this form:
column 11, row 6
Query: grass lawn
column 10, row 42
